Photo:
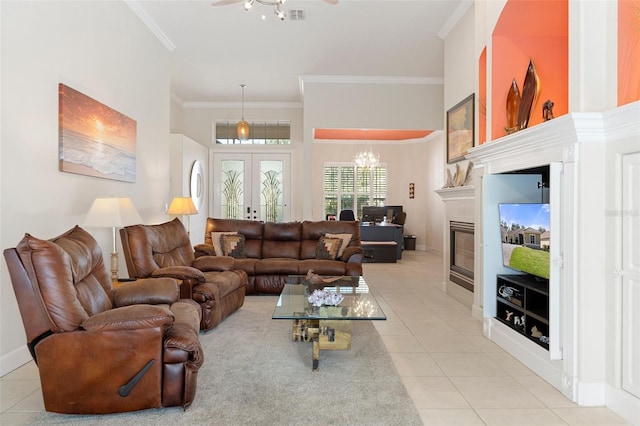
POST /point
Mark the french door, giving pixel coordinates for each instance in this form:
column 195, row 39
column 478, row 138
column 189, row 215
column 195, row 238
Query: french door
column 251, row 186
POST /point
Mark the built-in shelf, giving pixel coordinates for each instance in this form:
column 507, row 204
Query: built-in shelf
column 522, row 303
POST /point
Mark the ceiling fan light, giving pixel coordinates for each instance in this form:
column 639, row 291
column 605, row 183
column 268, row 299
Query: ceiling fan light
column 248, row 4
column 279, row 13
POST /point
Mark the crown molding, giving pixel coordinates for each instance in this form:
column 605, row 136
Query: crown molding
column 360, row 79
column 454, row 19
column 177, row 99
column 253, row 105
column 150, row 23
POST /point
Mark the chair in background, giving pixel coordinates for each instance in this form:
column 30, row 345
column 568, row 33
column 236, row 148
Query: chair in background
column 400, row 219
column 347, row 215
column 98, row 349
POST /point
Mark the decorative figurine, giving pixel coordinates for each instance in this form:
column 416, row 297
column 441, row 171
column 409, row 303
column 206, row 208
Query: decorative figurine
column 535, row 332
column 509, row 314
column 547, row 110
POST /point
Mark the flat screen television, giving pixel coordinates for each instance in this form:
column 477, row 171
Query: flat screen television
column 525, row 236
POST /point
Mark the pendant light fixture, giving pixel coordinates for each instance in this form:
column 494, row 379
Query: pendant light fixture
column 367, row 159
column 243, row 126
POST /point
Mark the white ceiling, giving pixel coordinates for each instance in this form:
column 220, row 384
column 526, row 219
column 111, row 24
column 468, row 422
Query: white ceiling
column 215, row 49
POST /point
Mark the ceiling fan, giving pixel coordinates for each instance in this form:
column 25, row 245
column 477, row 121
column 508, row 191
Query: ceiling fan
column 248, row 4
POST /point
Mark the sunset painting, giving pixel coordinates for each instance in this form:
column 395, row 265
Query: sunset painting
column 95, row 140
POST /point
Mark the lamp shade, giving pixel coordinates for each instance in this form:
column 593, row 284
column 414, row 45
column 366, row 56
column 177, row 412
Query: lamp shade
column 243, row 130
column 182, row 205
column 112, row 213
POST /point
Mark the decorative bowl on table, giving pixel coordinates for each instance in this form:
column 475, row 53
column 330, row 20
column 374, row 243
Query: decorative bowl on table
column 324, row 297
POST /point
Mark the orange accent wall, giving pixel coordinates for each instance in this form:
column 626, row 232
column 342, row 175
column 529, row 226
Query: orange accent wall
column 628, row 51
column 482, row 97
column 369, row 134
column 530, row 29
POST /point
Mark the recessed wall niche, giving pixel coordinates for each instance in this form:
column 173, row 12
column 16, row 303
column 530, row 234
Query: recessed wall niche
column 530, row 30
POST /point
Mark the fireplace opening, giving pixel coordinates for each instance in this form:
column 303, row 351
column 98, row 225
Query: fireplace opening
column 462, row 254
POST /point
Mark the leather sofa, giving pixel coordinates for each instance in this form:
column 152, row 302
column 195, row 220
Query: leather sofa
column 165, row 250
column 99, row 349
column 272, row 251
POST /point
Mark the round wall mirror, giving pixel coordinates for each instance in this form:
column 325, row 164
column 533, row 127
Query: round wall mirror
column 197, row 184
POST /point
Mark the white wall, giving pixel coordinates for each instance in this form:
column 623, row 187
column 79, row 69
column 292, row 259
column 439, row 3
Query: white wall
column 105, row 52
column 184, row 152
column 339, row 105
column 461, row 70
column 380, row 106
column 197, row 123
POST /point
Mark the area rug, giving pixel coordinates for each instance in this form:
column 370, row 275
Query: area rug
column 254, row 374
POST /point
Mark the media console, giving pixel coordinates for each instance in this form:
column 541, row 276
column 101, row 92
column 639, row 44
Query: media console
column 522, row 303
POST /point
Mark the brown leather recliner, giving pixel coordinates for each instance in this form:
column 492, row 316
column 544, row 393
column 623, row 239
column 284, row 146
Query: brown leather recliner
column 165, row 250
column 100, row 349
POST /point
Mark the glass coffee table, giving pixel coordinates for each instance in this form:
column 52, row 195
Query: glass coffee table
column 327, row 327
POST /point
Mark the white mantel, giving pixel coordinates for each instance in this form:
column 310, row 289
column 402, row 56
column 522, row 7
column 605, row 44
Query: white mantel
column 581, row 150
column 457, row 193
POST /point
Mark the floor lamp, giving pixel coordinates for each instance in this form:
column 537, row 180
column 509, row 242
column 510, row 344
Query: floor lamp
column 112, row 213
column 183, row 206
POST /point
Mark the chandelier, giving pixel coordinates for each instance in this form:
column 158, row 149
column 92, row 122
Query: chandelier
column 243, row 126
column 367, row 159
column 248, row 4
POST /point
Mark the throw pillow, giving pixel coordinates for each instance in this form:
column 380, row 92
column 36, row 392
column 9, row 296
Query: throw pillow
column 328, row 248
column 215, row 238
column 233, row 245
column 346, row 238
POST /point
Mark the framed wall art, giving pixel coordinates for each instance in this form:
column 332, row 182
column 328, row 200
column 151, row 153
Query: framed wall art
column 95, row 140
column 460, row 129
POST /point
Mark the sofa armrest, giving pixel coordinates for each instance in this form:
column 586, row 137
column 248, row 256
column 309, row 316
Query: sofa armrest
column 350, row 254
column 152, row 291
column 214, row 263
column 204, row 250
column 180, row 273
column 134, row 317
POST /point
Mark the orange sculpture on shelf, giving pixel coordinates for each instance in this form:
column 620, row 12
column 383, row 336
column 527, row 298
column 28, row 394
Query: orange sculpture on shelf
column 513, row 106
column 520, row 107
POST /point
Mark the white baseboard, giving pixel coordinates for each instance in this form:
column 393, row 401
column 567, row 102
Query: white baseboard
column 528, row 353
column 14, row 359
column 590, row 394
column 623, row 404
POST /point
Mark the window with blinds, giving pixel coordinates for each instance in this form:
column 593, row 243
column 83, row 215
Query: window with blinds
column 260, row 133
column 347, row 187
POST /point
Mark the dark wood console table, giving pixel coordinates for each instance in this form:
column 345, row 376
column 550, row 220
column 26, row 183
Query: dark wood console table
column 388, row 232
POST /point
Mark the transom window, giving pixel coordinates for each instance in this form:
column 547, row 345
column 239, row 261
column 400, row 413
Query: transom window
column 347, row 187
column 260, row 133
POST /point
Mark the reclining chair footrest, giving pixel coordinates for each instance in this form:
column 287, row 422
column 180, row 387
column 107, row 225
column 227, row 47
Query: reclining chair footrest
column 126, row 389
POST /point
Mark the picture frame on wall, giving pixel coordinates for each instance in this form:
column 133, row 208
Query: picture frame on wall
column 460, row 129
column 95, row 140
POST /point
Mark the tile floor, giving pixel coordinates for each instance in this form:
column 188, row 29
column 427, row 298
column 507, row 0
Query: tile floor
column 454, row 375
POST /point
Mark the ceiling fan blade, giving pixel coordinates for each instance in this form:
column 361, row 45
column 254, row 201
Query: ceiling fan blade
column 225, row 2
column 331, row 1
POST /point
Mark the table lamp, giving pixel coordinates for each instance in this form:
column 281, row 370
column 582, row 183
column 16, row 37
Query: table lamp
column 183, row 206
column 112, row 213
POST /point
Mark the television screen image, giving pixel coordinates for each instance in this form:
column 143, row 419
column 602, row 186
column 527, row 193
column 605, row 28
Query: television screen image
column 524, row 231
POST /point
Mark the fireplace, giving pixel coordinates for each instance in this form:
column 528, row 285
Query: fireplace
column 461, row 254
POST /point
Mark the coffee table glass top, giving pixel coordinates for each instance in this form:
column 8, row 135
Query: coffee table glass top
column 358, row 303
